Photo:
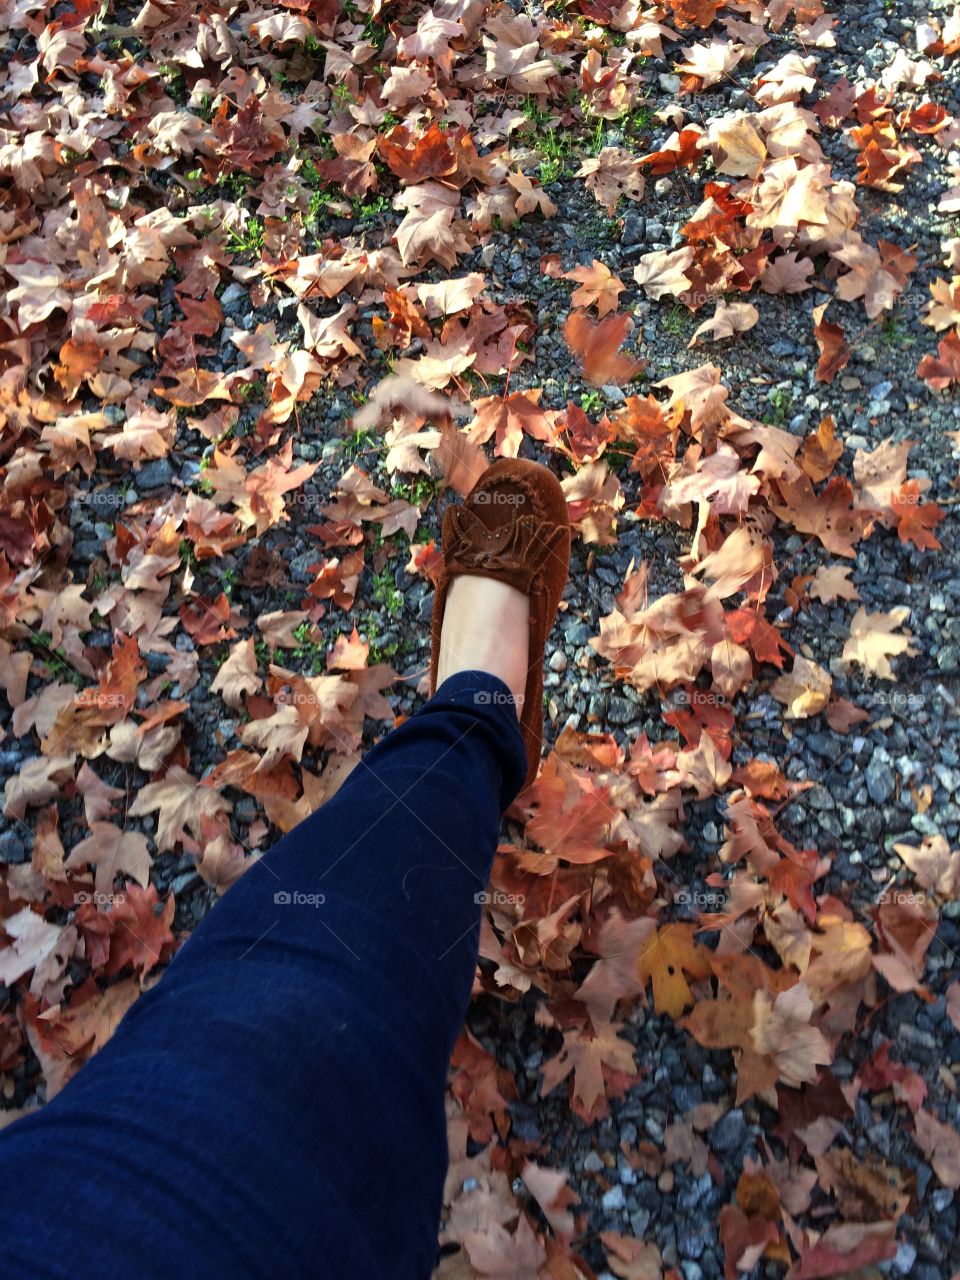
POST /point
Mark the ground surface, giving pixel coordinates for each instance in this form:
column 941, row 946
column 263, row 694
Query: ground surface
column 219, row 242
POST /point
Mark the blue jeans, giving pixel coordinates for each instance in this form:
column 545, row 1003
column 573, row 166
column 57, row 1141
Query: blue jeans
column 274, row 1107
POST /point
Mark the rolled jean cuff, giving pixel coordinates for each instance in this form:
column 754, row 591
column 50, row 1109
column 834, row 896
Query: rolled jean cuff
column 491, row 701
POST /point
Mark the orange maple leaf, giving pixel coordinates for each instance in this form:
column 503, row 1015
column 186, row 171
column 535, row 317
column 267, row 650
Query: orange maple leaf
column 664, row 960
column 916, row 519
column 834, row 352
column 597, row 348
column 943, row 369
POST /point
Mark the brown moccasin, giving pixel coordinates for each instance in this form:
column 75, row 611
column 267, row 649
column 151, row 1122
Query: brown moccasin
column 512, row 526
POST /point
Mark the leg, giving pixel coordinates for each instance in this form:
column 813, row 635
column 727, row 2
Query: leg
column 274, row 1106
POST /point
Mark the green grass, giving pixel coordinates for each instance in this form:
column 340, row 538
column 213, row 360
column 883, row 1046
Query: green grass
column 894, row 334
column 248, row 238
column 308, row 650
column 55, row 659
column 555, row 147
column 236, row 184
column 420, row 491
column 636, row 121
column 386, row 593
column 254, row 392
column 782, row 402
column 174, row 80
column 535, row 113
column 369, row 628
column 675, row 321
column 359, row 443
column 592, row 402
column 370, row 208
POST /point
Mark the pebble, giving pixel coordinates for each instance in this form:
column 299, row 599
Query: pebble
column 730, row 1131
column 12, row 848
column 233, row 295
column 621, row 710
column 614, row 1199
column 880, row 778
column 906, row 1256
column 156, row 474
column 593, row 1163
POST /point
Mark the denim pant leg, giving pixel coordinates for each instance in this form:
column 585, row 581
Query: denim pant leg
column 274, row 1106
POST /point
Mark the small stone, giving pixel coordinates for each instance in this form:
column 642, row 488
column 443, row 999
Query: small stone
column 12, row 848
column 593, row 1163
column 905, row 1257
column 621, row 710
column 156, row 474
column 822, row 744
column 639, row 1222
column 633, row 229
column 184, row 881
column 558, row 660
column 614, row 1199
column 233, row 295
column 691, row 1240
column 880, row 778
column 300, row 565
column 730, row 1131
column 86, row 549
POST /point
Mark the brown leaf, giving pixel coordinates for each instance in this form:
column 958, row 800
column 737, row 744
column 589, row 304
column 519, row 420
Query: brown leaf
column 834, row 352
column 940, row 1143
column 598, row 285
column 872, row 641
column 112, row 852
column 597, row 346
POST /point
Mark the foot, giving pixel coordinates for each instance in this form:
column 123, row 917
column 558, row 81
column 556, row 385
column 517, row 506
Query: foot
column 486, row 627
